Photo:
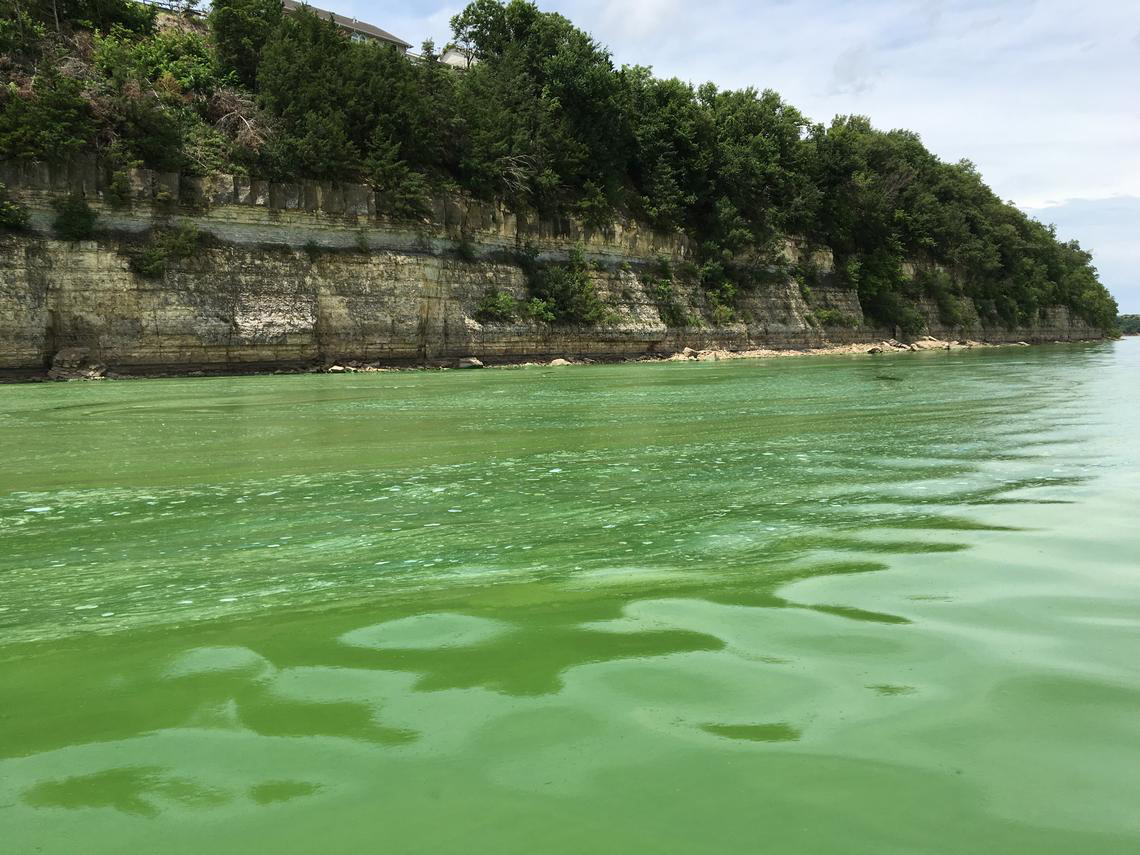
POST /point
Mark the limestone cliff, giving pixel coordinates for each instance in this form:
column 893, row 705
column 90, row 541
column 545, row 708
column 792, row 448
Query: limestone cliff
column 296, row 274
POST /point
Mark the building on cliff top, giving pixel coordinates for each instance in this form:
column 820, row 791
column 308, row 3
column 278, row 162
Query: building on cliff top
column 356, row 30
column 457, row 57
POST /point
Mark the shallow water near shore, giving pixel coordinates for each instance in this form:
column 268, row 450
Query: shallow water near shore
column 829, row 604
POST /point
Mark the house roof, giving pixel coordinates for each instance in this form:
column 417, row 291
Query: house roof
column 349, row 23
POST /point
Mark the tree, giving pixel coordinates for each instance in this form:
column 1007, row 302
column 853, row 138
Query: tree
column 240, row 29
column 545, row 97
column 53, row 123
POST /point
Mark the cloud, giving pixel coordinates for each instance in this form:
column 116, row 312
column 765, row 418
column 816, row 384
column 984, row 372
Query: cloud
column 639, row 18
column 854, row 71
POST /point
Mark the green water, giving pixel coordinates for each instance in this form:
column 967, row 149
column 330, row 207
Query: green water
column 841, row 605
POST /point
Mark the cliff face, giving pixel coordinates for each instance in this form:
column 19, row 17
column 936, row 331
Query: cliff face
column 291, row 274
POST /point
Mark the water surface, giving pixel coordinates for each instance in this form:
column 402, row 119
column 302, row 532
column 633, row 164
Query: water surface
column 809, row 605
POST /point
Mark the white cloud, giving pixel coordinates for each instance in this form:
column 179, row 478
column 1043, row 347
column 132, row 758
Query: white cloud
column 638, row 18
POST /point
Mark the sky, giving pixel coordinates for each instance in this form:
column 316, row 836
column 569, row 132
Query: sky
column 1043, row 95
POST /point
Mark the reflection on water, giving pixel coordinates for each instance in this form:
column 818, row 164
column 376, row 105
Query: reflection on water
column 139, row 791
column 710, row 608
column 778, row 732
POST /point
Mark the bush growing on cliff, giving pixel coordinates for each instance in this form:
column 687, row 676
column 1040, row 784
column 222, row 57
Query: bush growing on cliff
column 497, row 307
column 20, row 33
column 673, row 312
column 52, row 121
column 176, row 60
column 164, row 247
column 834, row 318
column 74, row 218
column 118, row 192
column 939, row 287
column 537, row 309
column 403, row 192
column 721, row 313
column 569, row 293
column 13, row 215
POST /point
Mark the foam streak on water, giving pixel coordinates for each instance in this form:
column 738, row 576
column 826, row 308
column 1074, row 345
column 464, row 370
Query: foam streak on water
column 816, row 605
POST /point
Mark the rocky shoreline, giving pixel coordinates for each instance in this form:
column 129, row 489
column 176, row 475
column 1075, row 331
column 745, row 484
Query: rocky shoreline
column 76, row 364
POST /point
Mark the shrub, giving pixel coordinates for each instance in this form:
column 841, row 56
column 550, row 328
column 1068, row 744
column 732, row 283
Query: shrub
column 835, row 318
column 722, row 314
column 939, row 287
column 103, row 15
column 164, row 247
column 805, row 274
column 403, row 192
column 539, row 310
column 501, row 308
column 52, row 124
column 151, row 131
column 20, row 33
column 594, row 208
column 118, row 192
column 497, row 307
column 910, row 322
column 688, row 271
column 13, row 215
column 74, row 218
column 951, row 310
column 566, row 290
column 176, row 60
column 672, row 311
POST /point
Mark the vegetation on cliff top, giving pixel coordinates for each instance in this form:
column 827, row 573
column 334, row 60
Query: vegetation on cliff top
column 543, row 120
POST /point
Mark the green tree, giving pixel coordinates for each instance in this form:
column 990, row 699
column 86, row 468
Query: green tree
column 240, row 29
column 544, row 103
column 53, row 123
column 74, row 218
column 404, row 192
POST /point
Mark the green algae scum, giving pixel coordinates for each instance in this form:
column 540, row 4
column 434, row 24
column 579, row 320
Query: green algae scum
column 818, row 605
